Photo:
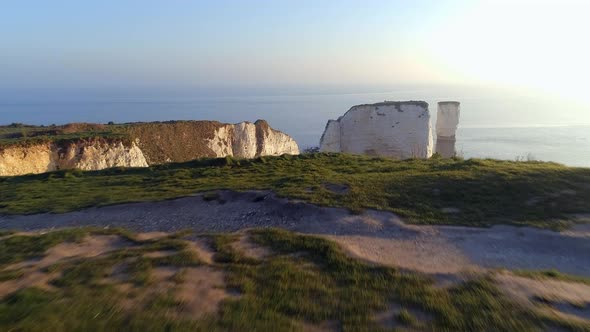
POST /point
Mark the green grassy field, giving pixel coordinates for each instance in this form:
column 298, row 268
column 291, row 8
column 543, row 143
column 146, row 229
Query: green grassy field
column 437, row 191
column 304, row 282
column 27, row 135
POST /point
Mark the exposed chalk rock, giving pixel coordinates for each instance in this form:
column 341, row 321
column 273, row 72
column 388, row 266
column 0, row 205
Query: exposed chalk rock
column 445, row 146
column 35, row 159
column 392, row 129
column 101, row 155
column 447, row 119
column 244, row 140
column 152, row 143
column 221, row 143
column 271, row 142
column 84, row 155
column 330, row 141
column 250, row 140
column 447, row 123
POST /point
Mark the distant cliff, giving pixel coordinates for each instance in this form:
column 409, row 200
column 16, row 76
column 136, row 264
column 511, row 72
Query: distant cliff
column 180, row 141
column 25, row 150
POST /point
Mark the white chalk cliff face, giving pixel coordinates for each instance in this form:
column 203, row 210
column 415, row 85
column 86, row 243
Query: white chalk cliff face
column 447, row 122
column 84, row 155
column 250, row 140
column 392, row 129
column 242, row 140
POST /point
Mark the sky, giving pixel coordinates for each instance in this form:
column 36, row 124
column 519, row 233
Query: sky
column 538, row 47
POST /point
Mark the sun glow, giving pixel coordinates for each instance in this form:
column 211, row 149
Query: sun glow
column 532, row 44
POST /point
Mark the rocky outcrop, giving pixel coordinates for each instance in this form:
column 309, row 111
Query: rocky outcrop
column 447, row 121
column 85, row 155
column 182, row 141
column 392, row 129
column 250, row 140
column 150, row 144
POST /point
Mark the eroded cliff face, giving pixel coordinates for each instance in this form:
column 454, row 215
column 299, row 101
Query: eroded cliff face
column 152, row 143
column 250, row 140
column 392, row 129
column 188, row 140
column 27, row 160
column 330, row 141
column 84, row 155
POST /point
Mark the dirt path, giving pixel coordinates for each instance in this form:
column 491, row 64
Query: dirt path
column 374, row 236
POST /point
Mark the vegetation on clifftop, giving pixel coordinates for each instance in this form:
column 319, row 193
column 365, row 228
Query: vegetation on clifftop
column 437, row 191
column 22, row 135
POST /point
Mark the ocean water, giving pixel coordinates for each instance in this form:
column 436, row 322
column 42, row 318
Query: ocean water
column 493, row 125
column 569, row 145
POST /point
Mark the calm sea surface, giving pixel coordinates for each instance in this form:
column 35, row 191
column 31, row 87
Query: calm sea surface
column 568, row 145
column 490, row 126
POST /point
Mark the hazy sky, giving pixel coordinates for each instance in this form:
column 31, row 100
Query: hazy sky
column 536, row 45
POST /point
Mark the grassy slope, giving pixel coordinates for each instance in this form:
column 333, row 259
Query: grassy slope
column 553, row 275
column 31, row 135
column 306, row 281
column 484, row 192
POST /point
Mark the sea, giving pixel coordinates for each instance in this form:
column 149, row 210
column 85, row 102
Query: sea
column 493, row 125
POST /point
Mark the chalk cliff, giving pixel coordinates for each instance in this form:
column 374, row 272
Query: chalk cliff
column 85, row 155
column 180, row 141
column 144, row 144
column 250, row 140
column 393, row 129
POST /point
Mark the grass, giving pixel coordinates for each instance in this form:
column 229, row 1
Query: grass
column 406, row 318
column 11, row 275
column 21, row 247
column 307, row 281
column 552, row 274
column 25, row 135
column 471, row 192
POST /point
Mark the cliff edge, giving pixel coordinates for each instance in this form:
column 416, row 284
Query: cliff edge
column 33, row 150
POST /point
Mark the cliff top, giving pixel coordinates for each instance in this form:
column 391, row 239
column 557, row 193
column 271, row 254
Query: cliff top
column 19, row 134
column 397, row 104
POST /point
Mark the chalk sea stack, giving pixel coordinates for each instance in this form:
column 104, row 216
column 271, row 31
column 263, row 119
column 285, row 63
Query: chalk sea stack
column 391, row 129
column 447, row 121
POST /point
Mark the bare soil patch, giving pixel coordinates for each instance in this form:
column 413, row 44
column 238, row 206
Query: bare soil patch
column 526, row 290
column 91, row 246
column 427, row 257
column 160, row 254
column 202, row 291
column 203, row 250
column 390, row 318
column 248, row 248
column 34, row 278
column 151, row 236
column 33, row 270
column 568, row 299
